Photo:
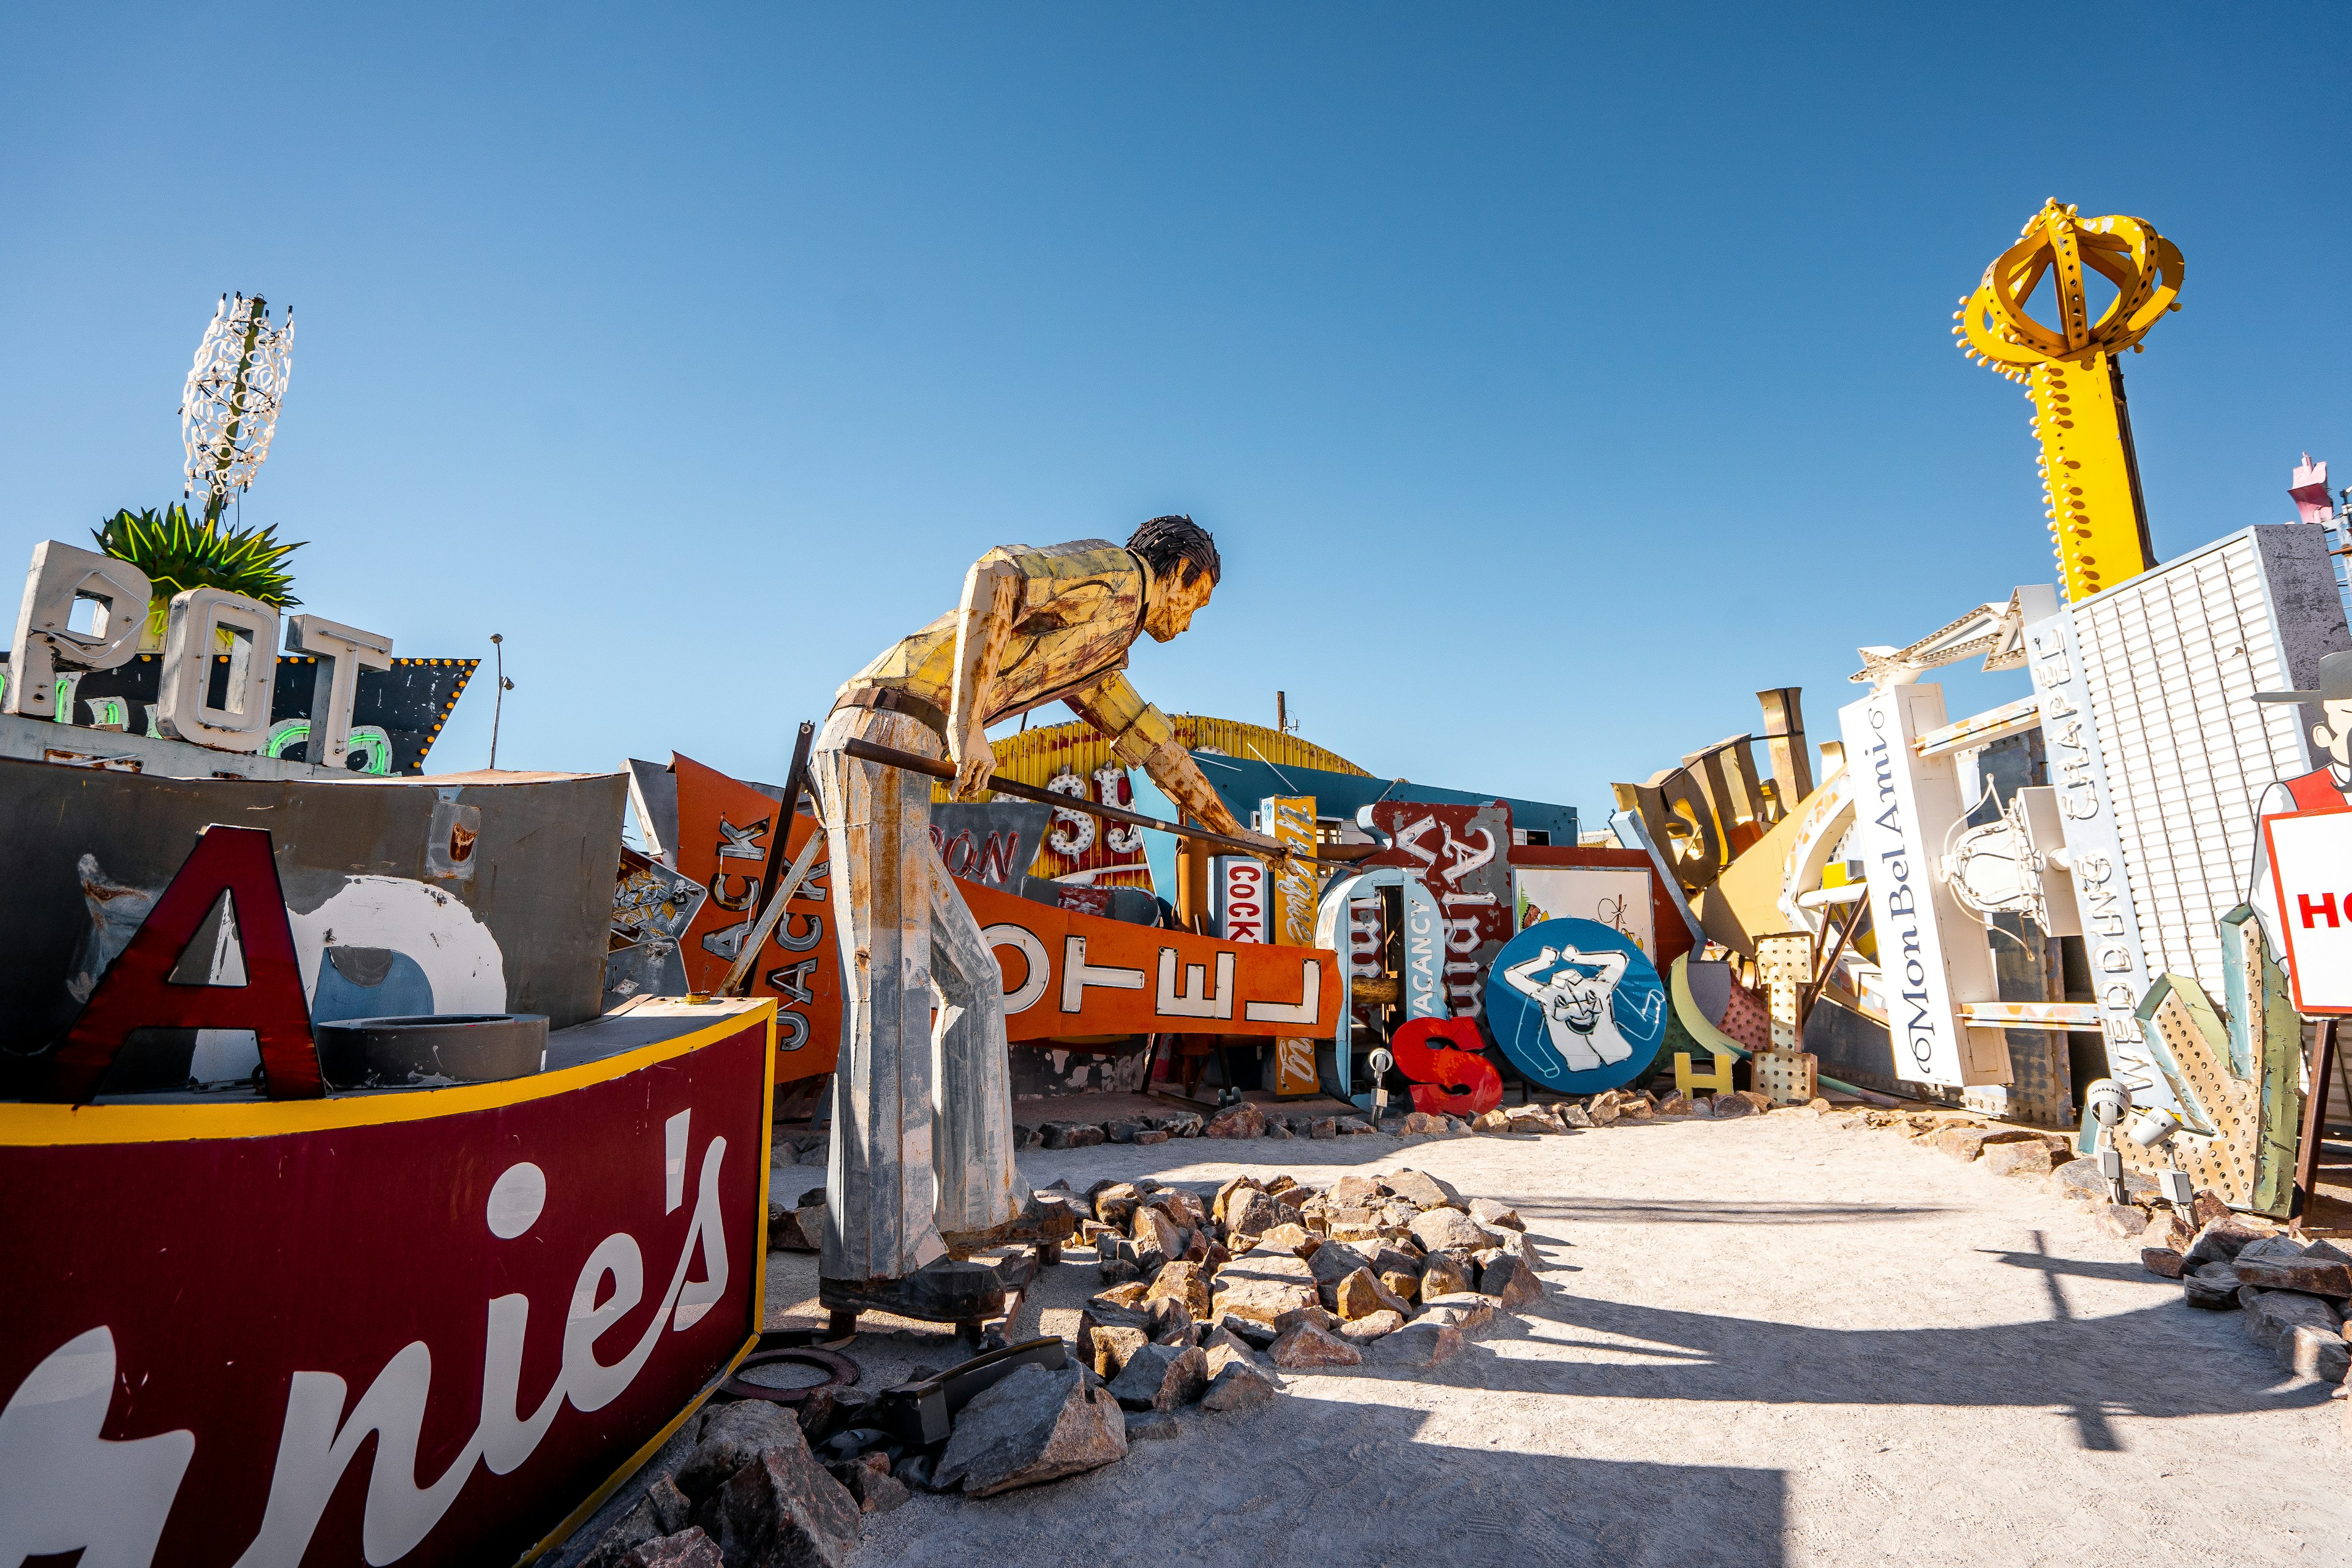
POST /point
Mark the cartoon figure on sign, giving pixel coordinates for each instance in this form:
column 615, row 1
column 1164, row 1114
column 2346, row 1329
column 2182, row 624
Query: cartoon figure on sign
column 1576, row 1007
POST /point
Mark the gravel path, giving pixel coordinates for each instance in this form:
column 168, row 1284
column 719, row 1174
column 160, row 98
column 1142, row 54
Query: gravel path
column 1766, row 1341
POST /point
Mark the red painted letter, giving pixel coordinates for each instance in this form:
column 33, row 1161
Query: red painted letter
column 137, row 991
column 1435, row 1069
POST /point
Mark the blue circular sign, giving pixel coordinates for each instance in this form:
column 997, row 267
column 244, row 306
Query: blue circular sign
column 1576, row 1007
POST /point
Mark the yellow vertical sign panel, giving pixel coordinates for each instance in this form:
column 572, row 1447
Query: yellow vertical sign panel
column 1291, row 819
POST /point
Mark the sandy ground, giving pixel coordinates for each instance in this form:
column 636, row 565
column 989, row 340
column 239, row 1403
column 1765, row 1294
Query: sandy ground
column 1765, row 1342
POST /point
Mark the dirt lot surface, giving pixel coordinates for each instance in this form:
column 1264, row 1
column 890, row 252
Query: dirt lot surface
column 1764, row 1341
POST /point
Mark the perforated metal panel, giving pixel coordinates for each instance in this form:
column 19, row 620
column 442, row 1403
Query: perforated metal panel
column 1784, row 966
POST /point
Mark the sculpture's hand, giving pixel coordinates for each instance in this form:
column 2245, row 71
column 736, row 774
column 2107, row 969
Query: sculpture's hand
column 974, row 763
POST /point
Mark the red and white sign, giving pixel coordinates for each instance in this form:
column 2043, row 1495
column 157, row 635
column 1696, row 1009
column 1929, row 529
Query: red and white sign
column 725, row 842
column 416, row 1327
column 1243, row 898
column 2311, row 871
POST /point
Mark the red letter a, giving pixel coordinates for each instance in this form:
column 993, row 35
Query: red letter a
column 137, row 991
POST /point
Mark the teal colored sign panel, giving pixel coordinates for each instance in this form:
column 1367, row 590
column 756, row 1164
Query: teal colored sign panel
column 1576, row 1007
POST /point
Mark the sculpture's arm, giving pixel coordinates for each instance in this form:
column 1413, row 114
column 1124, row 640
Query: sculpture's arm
column 1520, row 977
column 1611, row 964
column 1141, row 737
column 983, row 622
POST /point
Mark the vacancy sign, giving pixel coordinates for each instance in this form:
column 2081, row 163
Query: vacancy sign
column 2311, row 869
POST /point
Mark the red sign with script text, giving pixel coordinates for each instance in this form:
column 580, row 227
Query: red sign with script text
column 387, row 1333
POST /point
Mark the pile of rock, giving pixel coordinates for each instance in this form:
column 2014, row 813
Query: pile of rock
column 2026, row 1153
column 1204, row 1297
column 1246, row 1120
column 748, row 1491
column 1251, row 1119
column 2294, row 1295
column 1607, row 1109
column 764, row 1485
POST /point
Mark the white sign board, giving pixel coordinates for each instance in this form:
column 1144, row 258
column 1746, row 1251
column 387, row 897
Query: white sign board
column 1931, row 955
column 2103, row 892
column 1243, row 895
column 2169, row 663
column 2310, row 867
column 1616, row 896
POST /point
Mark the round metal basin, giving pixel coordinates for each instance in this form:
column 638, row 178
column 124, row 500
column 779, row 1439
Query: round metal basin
column 432, row 1051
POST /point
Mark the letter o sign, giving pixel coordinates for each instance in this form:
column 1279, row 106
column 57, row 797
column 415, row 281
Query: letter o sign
column 1023, row 941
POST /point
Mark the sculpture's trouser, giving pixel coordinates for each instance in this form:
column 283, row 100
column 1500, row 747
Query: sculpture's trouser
column 922, row 1118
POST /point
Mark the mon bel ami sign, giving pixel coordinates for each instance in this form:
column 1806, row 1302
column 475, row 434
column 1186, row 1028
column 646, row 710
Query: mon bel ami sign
column 2311, row 869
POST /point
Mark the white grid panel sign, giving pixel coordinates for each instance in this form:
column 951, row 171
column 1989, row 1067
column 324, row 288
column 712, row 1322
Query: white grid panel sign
column 2172, row 659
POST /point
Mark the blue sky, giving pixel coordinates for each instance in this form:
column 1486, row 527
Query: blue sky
column 1552, row 378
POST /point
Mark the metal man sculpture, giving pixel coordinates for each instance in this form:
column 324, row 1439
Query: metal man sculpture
column 1035, row 626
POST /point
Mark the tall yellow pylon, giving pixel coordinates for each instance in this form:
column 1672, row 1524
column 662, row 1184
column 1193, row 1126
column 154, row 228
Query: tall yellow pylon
column 2089, row 475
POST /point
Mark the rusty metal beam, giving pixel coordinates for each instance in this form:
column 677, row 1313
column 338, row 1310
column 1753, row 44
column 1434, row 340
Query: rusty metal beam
column 1982, row 729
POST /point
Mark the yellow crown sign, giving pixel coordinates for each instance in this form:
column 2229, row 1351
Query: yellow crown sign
column 2089, row 475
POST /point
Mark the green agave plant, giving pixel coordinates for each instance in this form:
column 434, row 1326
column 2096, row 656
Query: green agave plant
column 177, row 554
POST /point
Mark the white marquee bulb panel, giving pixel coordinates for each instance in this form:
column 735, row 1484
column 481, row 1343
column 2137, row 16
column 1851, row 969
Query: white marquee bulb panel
column 2171, row 660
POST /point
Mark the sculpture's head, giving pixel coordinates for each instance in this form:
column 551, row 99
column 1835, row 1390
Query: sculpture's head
column 1184, row 572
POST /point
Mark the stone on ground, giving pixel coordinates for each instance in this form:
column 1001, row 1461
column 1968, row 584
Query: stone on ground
column 1115, row 1203
column 1444, row 1276
column 1250, row 1214
column 1108, row 1348
column 1421, row 1190
column 1185, row 1283
column 1033, row 1425
column 1495, row 1215
column 2020, row 1157
column 730, row 1437
column 1242, row 1121
column 2304, row 1332
column 1467, row 1310
column 2312, row 1276
column 1266, row 1287
column 869, row 1480
column 783, row 1507
column 1372, row 1326
column 1422, row 1342
column 1511, row 1281
column 2161, row 1261
column 1448, row 1230
column 1291, row 1239
column 1335, row 1260
column 1237, row 1381
column 2213, row 1286
column 690, row 1548
column 2219, row 1240
column 1160, row 1377
column 2122, row 1221
column 2080, row 1180
column 1151, row 1426
column 662, row 1513
column 1966, row 1142
column 1360, row 1294
column 1305, row 1346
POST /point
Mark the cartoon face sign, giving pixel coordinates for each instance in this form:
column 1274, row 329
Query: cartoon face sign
column 1576, row 1007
